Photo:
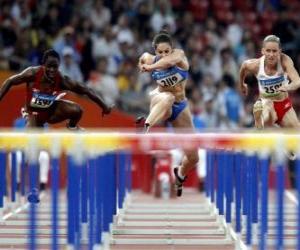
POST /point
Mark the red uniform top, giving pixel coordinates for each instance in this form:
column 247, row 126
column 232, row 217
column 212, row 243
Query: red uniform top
column 39, row 96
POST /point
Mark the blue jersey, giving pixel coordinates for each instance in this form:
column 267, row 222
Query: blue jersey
column 169, row 77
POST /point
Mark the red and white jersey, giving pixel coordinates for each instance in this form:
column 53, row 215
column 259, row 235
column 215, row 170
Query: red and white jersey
column 42, row 97
column 269, row 85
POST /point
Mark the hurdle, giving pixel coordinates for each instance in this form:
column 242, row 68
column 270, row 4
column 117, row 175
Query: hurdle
column 236, row 188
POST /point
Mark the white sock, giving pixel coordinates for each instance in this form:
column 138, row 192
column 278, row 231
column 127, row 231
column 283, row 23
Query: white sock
column 179, row 174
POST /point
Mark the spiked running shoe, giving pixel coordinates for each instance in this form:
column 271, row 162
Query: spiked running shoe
column 178, row 182
column 141, row 125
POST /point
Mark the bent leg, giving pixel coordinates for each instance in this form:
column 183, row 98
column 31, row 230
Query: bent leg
column 33, row 122
column 263, row 113
column 290, row 119
column 190, row 158
column 160, row 108
column 258, row 114
column 66, row 110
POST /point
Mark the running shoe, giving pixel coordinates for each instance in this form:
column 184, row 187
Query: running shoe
column 141, row 125
column 178, row 182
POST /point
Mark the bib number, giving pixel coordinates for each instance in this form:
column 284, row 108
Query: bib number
column 272, row 89
column 41, row 100
column 170, row 81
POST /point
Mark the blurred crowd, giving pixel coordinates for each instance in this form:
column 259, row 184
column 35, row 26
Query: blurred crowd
column 100, row 41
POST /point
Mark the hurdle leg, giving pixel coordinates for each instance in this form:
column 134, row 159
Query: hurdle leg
column 298, row 196
column 264, row 166
column 2, row 182
column 55, row 195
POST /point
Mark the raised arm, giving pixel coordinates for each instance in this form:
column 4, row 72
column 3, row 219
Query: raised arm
column 25, row 76
column 175, row 58
column 81, row 89
column 292, row 73
column 145, row 58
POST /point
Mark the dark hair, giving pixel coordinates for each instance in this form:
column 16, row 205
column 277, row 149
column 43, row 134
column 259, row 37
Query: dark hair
column 162, row 37
column 50, row 52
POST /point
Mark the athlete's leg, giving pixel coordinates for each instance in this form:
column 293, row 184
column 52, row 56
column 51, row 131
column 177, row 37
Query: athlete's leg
column 258, row 114
column 160, row 108
column 264, row 114
column 33, row 122
column 190, row 158
column 290, row 119
column 66, row 110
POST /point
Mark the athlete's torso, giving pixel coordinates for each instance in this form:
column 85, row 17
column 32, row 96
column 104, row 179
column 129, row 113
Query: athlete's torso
column 269, row 84
column 42, row 92
column 172, row 80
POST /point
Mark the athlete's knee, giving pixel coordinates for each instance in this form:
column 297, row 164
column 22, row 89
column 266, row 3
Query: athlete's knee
column 258, row 107
column 76, row 110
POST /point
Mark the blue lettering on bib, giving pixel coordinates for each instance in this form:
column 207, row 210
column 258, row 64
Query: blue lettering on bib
column 272, row 81
column 40, row 100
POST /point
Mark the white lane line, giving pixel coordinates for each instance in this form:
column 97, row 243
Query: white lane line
column 291, row 197
column 19, row 209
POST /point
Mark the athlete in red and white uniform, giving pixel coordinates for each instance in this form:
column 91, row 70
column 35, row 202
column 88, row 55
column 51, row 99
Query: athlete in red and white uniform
column 45, row 86
column 276, row 76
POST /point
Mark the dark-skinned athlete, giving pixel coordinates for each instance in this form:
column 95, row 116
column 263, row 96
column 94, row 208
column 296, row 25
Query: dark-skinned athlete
column 45, row 86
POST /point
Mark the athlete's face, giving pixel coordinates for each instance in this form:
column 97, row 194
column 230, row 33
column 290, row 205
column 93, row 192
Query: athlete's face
column 271, row 51
column 51, row 66
column 163, row 49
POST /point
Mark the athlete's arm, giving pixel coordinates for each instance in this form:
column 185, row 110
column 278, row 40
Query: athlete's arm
column 25, row 76
column 145, row 58
column 247, row 67
column 176, row 57
column 81, row 89
column 292, row 73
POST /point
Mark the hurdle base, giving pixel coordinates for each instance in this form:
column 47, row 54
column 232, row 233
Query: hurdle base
column 98, row 247
column 255, row 233
column 70, row 247
column 84, row 234
column 106, row 241
column 1, row 216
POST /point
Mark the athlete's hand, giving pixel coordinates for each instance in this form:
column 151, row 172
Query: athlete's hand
column 146, row 67
column 141, row 63
column 244, row 89
column 283, row 88
column 107, row 110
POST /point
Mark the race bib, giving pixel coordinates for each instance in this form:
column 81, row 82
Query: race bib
column 269, row 87
column 39, row 100
column 170, row 81
column 271, row 90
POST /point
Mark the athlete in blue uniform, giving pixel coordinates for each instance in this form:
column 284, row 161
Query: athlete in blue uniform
column 169, row 68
